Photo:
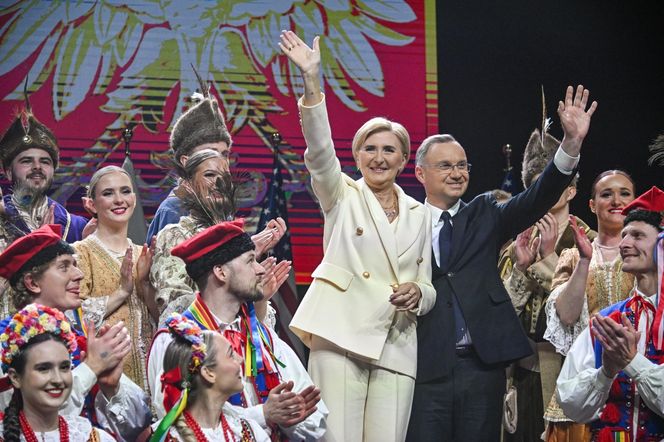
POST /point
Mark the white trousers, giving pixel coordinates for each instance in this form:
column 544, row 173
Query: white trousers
column 366, row 402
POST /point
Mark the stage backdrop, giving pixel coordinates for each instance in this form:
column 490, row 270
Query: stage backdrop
column 95, row 68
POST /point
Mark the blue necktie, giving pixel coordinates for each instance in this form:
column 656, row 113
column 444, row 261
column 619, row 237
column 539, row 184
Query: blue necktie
column 445, row 246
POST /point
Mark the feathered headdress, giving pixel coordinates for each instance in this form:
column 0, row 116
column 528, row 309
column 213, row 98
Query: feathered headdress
column 202, row 123
column 657, row 151
column 27, row 132
column 540, row 149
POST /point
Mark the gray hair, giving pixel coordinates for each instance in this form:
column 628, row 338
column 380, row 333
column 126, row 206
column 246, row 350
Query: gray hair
column 423, row 150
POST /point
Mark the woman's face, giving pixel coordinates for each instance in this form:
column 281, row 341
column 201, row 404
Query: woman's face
column 228, row 367
column 208, row 171
column 46, row 380
column 380, row 159
column 611, row 194
column 114, row 199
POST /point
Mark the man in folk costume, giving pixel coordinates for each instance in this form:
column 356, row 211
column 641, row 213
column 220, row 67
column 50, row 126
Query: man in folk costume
column 29, row 156
column 41, row 268
column 527, row 267
column 222, row 261
column 201, row 127
column 613, row 376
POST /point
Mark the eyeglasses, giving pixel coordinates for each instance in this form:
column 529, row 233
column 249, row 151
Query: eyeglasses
column 461, row 166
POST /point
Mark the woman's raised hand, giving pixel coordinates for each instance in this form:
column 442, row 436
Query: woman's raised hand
column 145, row 260
column 581, row 240
column 297, row 51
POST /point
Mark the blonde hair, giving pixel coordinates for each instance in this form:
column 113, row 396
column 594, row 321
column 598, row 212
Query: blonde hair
column 380, row 124
column 98, row 175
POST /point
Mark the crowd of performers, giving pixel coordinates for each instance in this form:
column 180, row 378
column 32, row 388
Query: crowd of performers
column 494, row 319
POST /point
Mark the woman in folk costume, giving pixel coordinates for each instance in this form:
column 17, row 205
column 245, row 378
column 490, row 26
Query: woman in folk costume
column 207, row 192
column 115, row 285
column 588, row 278
column 359, row 316
column 201, row 372
column 527, row 266
column 37, row 346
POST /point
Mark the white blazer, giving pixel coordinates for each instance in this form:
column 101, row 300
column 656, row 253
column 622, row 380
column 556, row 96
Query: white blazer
column 364, row 256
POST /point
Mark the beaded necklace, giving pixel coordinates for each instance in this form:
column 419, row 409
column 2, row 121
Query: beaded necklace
column 30, row 435
column 198, row 431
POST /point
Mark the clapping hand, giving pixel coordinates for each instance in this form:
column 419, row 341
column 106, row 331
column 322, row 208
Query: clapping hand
column 581, row 240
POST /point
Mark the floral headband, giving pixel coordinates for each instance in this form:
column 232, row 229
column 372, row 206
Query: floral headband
column 34, row 320
column 190, row 332
column 174, row 385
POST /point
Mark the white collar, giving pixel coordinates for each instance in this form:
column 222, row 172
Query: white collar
column 437, row 211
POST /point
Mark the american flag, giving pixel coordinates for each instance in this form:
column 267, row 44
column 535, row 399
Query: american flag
column 286, row 300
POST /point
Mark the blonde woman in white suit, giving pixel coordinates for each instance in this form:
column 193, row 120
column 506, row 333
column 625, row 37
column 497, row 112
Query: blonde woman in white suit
column 359, row 316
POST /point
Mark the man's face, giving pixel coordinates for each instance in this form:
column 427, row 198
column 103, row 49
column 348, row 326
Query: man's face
column 245, row 277
column 32, row 169
column 443, row 188
column 60, row 284
column 637, row 247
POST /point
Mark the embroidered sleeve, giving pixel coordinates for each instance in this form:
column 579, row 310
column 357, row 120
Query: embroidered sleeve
column 519, row 286
column 542, row 271
column 168, row 274
column 558, row 334
column 566, row 263
column 94, row 309
column 271, row 316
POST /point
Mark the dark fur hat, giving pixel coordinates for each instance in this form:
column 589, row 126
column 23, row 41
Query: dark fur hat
column 537, row 155
column 203, row 123
column 27, row 132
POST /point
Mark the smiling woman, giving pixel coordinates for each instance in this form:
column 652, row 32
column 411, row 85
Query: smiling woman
column 37, row 346
column 587, row 279
column 374, row 279
column 115, row 286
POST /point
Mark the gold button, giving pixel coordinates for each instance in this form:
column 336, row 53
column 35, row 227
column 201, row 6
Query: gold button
column 395, row 286
column 359, row 231
column 366, row 275
column 419, row 260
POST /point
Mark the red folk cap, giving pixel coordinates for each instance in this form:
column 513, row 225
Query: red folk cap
column 21, row 251
column 208, row 240
column 652, row 200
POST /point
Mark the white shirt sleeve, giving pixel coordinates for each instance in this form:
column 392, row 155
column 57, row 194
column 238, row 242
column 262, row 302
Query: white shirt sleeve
column 649, row 379
column 127, row 413
column 155, row 370
column 582, row 389
column 314, row 427
column 565, row 163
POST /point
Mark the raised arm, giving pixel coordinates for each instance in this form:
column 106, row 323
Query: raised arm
column 570, row 301
column 308, row 61
column 320, row 157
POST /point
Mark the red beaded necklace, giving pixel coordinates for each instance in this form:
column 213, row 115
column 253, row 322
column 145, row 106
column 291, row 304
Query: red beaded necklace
column 198, row 431
column 30, row 435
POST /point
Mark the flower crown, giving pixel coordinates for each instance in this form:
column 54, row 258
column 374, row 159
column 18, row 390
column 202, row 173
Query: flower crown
column 190, row 332
column 34, row 320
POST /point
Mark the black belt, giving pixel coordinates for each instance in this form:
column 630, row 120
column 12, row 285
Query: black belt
column 464, row 351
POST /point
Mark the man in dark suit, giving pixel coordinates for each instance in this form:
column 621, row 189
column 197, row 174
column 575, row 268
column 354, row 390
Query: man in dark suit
column 472, row 332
